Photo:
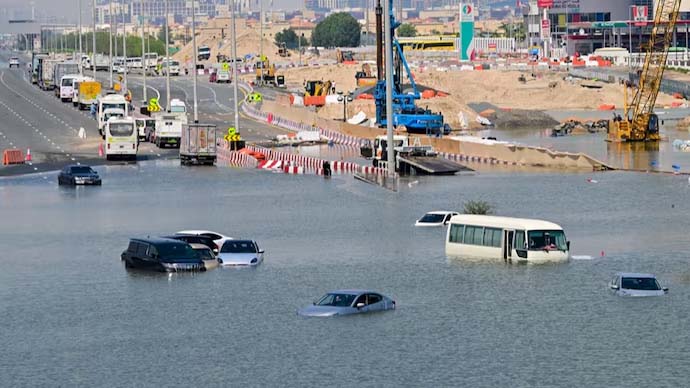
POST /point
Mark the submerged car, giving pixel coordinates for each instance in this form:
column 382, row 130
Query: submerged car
column 78, row 175
column 240, row 252
column 347, row 302
column 161, row 254
column 436, row 218
column 636, row 284
column 218, row 238
column 206, row 255
column 196, row 239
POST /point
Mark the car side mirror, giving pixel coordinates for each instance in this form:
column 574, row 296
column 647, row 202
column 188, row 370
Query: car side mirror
column 614, row 287
column 665, row 289
column 261, row 251
column 359, row 305
column 567, row 243
column 522, row 253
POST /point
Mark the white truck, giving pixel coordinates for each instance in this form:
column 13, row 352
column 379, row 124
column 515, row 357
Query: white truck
column 150, row 60
column 102, row 62
column 47, row 68
column 110, row 101
column 121, row 138
column 198, row 144
column 66, row 89
column 169, row 124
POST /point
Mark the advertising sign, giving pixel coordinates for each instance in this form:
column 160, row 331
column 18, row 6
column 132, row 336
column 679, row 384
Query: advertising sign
column 640, row 12
column 466, row 32
column 545, row 28
column 545, row 3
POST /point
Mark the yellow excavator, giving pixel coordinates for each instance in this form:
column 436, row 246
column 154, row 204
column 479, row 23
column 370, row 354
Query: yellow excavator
column 265, row 71
column 639, row 122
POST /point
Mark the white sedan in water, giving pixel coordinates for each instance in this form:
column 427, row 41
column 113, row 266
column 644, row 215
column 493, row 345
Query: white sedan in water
column 436, row 218
column 240, row 252
column 636, row 284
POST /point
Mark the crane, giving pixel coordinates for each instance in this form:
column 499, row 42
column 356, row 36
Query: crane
column 639, row 122
column 405, row 112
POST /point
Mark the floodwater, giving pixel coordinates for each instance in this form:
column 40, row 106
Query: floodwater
column 71, row 315
column 661, row 156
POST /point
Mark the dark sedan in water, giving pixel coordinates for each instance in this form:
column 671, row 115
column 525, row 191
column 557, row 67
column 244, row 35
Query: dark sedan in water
column 161, row 254
column 78, row 175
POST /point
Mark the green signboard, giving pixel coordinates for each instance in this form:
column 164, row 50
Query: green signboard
column 609, row 24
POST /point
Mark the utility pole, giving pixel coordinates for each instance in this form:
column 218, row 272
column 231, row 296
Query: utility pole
column 81, row 67
column 93, row 60
column 234, row 66
column 196, row 113
column 167, row 59
column 110, row 37
column 124, row 48
column 143, row 57
column 261, row 40
column 389, row 87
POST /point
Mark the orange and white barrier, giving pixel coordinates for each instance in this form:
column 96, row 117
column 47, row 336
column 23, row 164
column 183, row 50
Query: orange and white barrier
column 12, row 156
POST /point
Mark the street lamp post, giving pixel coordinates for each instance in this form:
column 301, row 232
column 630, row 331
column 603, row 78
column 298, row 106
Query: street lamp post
column 235, row 80
column 110, row 37
column 81, row 67
column 299, row 42
column 93, row 56
column 143, row 49
column 344, row 99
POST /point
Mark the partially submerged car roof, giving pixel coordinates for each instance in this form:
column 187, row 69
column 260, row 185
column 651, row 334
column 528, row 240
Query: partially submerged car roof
column 157, row 240
column 353, row 292
column 635, row 275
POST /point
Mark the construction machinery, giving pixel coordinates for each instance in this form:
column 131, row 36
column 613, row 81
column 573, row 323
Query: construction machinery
column 265, row 71
column 344, row 56
column 365, row 76
column 405, row 112
column 282, row 50
column 639, row 122
column 315, row 92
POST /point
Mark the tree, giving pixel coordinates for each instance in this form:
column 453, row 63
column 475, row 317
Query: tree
column 289, row 37
column 478, row 207
column 435, row 32
column 337, row 30
column 406, row 30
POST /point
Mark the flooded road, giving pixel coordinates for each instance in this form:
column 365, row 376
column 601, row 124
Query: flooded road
column 71, row 315
column 637, row 156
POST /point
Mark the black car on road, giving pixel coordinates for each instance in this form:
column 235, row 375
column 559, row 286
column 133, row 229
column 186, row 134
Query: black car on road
column 161, row 254
column 78, row 175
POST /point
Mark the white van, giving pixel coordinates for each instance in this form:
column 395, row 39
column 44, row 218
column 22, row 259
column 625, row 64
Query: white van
column 67, row 87
column 517, row 240
column 121, row 138
column 110, row 101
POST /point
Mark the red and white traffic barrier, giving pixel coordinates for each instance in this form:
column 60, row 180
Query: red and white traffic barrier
column 270, row 164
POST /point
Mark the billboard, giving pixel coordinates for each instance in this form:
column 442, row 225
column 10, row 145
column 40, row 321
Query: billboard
column 640, row 13
column 545, row 3
column 466, row 31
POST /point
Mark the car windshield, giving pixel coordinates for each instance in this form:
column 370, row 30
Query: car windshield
column 205, row 254
column 177, row 109
column 120, row 129
column 176, row 251
column 338, row 300
column 67, row 81
column 174, row 63
column 235, row 246
column 547, row 240
column 646, row 284
column 114, row 106
column 432, row 218
column 81, row 170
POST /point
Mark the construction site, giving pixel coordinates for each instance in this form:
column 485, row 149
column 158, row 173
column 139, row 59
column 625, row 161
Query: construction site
column 337, row 89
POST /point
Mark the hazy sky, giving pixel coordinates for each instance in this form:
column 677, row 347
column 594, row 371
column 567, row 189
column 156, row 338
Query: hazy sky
column 67, row 9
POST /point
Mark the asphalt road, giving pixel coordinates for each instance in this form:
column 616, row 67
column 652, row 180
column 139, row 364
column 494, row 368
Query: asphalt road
column 31, row 118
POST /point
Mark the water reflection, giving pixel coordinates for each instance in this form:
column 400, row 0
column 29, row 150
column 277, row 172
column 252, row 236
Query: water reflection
column 634, row 155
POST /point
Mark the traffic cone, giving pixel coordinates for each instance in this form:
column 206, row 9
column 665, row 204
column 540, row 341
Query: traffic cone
column 28, row 155
column 100, row 149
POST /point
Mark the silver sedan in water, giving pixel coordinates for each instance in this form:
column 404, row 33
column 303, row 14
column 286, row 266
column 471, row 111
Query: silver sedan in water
column 347, row 302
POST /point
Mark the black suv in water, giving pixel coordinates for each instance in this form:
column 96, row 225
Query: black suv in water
column 161, row 254
column 195, row 239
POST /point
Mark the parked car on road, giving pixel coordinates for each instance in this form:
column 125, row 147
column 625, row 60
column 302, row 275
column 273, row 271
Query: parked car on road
column 14, row 61
column 161, row 254
column 206, row 255
column 240, row 252
column 78, row 175
column 636, row 284
column 347, row 302
column 436, row 218
column 218, row 238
